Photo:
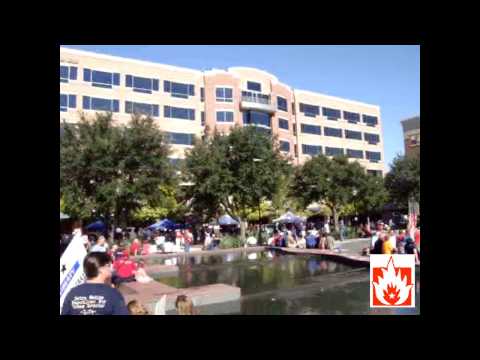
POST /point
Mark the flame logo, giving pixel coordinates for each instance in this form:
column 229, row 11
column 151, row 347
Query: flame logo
column 391, row 289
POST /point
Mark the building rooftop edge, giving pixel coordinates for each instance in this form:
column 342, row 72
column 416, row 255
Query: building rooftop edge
column 417, row 117
column 307, row 92
column 120, row 58
column 211, row 72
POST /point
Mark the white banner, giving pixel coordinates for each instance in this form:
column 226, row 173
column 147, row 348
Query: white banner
column 71, row 266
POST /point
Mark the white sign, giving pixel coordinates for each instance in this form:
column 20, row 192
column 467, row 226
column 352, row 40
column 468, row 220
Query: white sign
column 71, row 266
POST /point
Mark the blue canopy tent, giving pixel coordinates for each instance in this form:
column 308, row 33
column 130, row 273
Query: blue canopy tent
column 289, row 218
column 164, row 224
column 97, row 226
column 227, row 220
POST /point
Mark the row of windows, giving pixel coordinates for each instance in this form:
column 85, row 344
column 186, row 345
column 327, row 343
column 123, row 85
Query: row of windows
column 181, row 138
column 112, row 105
column 333, row 151
column 335, row 114
column 137, row 83
column 179, row 113
column 349, row 134
column 141, row 84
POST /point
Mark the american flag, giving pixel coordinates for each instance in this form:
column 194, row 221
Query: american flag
column 412, row 217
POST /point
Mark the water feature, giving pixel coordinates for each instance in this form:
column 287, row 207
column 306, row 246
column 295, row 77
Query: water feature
column 279, row 284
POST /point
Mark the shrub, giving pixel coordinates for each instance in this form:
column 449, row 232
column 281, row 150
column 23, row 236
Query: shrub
column 230, row 241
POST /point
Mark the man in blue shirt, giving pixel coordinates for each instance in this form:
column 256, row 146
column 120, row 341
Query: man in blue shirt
column 96, row 296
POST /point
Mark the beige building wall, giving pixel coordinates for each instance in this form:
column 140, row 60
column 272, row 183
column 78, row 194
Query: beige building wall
column 234, row 77
column 320, row 100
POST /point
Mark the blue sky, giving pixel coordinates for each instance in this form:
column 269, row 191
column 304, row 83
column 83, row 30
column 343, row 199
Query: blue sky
column 388, row 76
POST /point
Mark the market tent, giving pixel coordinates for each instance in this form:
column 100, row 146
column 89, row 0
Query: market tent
column 64, row 216
column 289, row 218
column 227, row 220
column 164, row 224
column 97, row 226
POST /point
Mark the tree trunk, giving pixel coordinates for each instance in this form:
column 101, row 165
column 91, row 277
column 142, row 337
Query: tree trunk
column 243, row 225
column 335, row 219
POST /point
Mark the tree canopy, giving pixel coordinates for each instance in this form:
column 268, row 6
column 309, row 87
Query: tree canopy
column 403, row 180
column 113, row 169
column 234, row 172
column 337, row 183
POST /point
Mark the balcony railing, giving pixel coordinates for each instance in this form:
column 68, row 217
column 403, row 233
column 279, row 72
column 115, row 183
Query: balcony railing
column 256, row 101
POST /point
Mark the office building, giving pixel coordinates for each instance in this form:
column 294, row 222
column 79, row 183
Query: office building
column 186, row 103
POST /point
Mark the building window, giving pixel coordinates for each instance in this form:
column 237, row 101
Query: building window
column 101, row 78
column 375, row 172
column 350, row 134
column 311, row 149
column 372, row 139
column 311, row 129
column 293, row 108
column 254, row 86
column 180, row 138
column 179, row 113
column 370, row 120
column 283, row 124
column 178, row 89
column 295, row 129
column 225, row 116
column 282, row 103
column 309, row 110
column 68, row 73
column 373, row 156
column 141, row 84
column 93, row 103
column 203, row 118
column 295, row 149
column 67, row 101
column 284, row 146
column 356, row 154
column 141, row 108
column 202, row 94
column 332, row 151
column 224, row 94
column 256, row 118
column 351, row 117
column 328, row 131
column 331, row 114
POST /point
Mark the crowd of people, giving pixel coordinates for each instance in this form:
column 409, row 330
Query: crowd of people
column 309, row 236
column 385, row 240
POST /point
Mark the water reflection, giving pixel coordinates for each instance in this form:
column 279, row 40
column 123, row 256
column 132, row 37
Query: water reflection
column 273, row 283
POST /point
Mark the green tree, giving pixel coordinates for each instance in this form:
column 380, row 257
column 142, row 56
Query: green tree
column 372, row 195
column 113, row 169
column 334, row 182
column 167, row 208
column 403, row 180
column 235, row 172
column 62, row 204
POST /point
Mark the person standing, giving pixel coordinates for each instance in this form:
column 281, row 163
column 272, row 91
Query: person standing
column 95, row 296
column 326, row 227
column 387, row 247
column 100, row 246
column 188, row 240
column 342, row 230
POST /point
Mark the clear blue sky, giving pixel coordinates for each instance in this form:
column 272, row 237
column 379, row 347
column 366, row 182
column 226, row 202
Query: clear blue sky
column 388, row 76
